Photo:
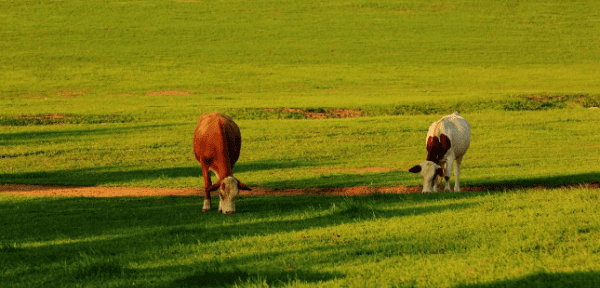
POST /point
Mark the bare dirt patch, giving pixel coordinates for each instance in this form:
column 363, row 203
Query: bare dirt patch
column 70, row 93
column 169, row 93
column 43, row 117
column 77, row 191
column 121, row 95
column 544, row 98
column 357, row 170
column 346, row 113
column 320, row 113
column 34, row 96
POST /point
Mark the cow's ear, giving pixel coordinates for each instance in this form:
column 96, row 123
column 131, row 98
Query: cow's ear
column 415, row 169
column 214, row 187
column 243, row 186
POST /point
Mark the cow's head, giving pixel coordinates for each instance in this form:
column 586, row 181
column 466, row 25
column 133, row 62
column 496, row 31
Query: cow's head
column 228, row 189
column 430, row 172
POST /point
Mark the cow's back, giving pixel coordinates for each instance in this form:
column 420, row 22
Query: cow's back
column 462, row 133
column 456, row 128
column 217, row 138
column 233, row 138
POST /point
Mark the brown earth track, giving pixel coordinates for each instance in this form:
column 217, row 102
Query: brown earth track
column 79, row 191
column 169, row 93
column 332, row 113
column 43, row 117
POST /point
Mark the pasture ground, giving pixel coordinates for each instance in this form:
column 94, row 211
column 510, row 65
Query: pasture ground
column 105, row 94
column 486, row 239
column 87, row 191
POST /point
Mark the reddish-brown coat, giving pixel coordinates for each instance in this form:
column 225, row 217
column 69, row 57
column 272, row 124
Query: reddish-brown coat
column 217, row 144
column 437, row 148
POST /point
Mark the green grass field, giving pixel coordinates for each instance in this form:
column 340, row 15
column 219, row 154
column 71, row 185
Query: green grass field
column 508, row 148
column 512, row 239
column 288, row 53
column 107, row 93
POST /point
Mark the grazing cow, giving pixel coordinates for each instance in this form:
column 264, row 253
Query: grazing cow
column 447, row 140
column 217, row 143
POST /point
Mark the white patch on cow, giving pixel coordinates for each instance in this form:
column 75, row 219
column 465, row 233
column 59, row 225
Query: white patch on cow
column 429, row 171
column 227, row 192
column 206, row 205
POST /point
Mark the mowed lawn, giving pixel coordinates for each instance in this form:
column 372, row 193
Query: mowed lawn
column 107, row 93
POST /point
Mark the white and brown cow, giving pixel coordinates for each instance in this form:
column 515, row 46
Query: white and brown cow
column 217, row 144
column 447, row 140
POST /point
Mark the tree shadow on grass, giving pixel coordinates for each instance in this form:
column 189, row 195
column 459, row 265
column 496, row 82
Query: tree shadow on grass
column 218, row 276
column 98, row 176
column 545, row 182
column 225, row 271
column 46, row 219
column 95, row 226
column 342, row 180
column 260, row 165
column 544, row 279
column 395, row 178
column 101, row 224
column 118, row 175
column 98, row 262
column 24, row 138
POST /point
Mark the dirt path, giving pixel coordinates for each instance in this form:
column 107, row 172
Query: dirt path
column 77, row 191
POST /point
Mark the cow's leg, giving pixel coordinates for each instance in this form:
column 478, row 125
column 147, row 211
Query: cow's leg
column 207, row 183
column 447, row 172
column 456, row 174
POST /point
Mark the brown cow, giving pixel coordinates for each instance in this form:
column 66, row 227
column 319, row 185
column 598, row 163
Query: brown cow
column 217, row 143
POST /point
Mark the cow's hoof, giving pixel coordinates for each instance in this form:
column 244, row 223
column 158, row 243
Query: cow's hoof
column 204, row 210
column 229, row 212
